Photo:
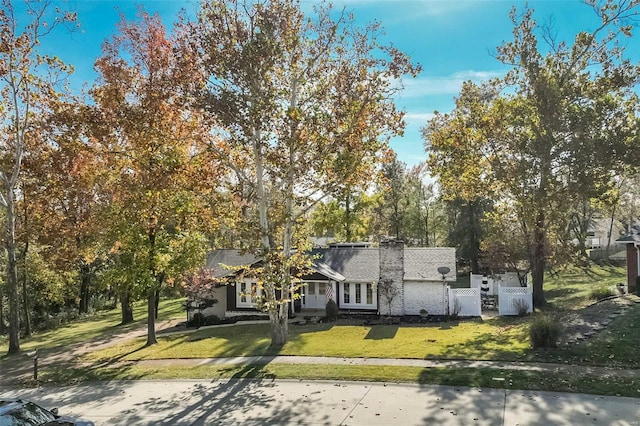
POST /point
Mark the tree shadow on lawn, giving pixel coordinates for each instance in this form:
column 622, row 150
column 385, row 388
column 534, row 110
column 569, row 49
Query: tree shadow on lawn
column 497, row 345
column 381, row 332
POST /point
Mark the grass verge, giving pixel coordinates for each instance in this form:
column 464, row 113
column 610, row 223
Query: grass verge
column 471, row 377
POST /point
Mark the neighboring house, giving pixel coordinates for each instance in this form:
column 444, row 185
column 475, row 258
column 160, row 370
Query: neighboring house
column 601, row 235
column 352, row 276
column 632, row 241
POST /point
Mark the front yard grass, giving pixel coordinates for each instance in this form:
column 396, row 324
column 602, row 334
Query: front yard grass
column 499, row 338
column 98, row 326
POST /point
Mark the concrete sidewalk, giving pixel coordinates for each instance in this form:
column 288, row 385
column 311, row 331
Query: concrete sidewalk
column 282, row 402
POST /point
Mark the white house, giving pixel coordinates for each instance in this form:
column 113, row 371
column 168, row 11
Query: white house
column 358, row 278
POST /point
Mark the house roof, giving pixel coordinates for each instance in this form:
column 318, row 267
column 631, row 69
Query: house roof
column 632, row 237
column 421, row 264
column 218, row 259
column 360, row 264
column 353, row 264
column 363, row 264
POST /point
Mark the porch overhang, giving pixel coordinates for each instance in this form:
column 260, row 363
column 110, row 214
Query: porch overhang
column 324, row 270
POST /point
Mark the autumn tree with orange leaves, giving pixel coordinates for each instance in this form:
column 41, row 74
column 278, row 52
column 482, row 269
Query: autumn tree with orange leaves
column 28, row 90
column 155, row 146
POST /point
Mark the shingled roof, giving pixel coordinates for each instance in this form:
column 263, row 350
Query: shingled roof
column 353, row 264
column 421, row 264
column 633, row 237
column 218, row 259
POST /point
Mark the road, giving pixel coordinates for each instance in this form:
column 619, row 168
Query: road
column 288, row 402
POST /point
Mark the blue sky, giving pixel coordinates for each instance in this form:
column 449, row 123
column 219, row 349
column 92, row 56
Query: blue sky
column 453, row 40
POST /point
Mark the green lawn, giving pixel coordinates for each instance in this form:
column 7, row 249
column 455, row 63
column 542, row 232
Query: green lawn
column 499, row 338
column 99, row 326
column 570, row 287
column 503, row 339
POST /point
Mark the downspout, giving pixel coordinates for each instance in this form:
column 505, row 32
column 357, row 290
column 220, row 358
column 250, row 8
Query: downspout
column 637, row 246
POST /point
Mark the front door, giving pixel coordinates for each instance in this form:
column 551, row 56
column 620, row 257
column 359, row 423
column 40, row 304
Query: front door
column 315, row 295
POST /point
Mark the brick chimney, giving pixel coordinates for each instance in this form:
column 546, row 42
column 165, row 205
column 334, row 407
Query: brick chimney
column 391, row 284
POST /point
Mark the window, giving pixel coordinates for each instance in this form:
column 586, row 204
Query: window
column 248, row 294
column 358, row 295
column 369, row 294
column 243, row 292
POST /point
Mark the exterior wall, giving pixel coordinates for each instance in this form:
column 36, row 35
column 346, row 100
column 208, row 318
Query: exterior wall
column 427, row 295
column 391, row 273
column 219, row 309
column 632, row 267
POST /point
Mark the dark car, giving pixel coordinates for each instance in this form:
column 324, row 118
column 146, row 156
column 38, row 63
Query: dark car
column 24, row 413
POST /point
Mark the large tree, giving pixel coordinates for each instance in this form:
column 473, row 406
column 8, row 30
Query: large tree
column 560, row 128
column 28, row 88
column 305, row 106
column 154, row 142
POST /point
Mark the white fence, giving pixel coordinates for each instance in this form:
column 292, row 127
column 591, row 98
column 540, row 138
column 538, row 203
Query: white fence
column 468, row 300
column 476, row 282
column 494, row 283
column 511, row 299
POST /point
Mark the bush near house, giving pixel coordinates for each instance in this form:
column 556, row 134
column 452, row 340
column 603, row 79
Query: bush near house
column 544, row 332
column 331, row 310
column 600, row 293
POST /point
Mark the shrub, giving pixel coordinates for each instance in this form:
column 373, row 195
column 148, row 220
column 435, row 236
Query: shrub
column 331, row 310
column 544, row 332
column 600, row 293
column 456, row 309
column 521, row 306
column 211, row 320
column 197, row 320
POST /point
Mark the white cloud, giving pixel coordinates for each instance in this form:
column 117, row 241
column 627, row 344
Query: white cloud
column 443, row 85
column 418, row 117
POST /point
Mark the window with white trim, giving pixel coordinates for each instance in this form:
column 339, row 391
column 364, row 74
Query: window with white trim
column 247, row 293
column 358, row 296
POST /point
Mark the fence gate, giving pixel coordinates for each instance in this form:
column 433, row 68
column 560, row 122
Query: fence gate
column 511, row 299
column 467, row 300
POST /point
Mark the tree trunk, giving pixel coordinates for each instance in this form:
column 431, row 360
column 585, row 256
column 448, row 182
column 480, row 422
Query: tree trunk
column 474, row 243
column 613, row 215
column 151, row 319
column 279, row 326
column 127, row 309
column 539, row 261
column 3, row 328
column 25, row 292
column 85, row 279
column 156, row 303
column 12, row 274
column 347, row 217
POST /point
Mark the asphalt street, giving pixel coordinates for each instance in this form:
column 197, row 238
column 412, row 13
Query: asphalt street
column 288, row 402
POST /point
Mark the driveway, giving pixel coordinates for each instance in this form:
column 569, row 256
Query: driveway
column 288, row 402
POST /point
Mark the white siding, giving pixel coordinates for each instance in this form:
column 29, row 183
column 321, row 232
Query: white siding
column 427, row 295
